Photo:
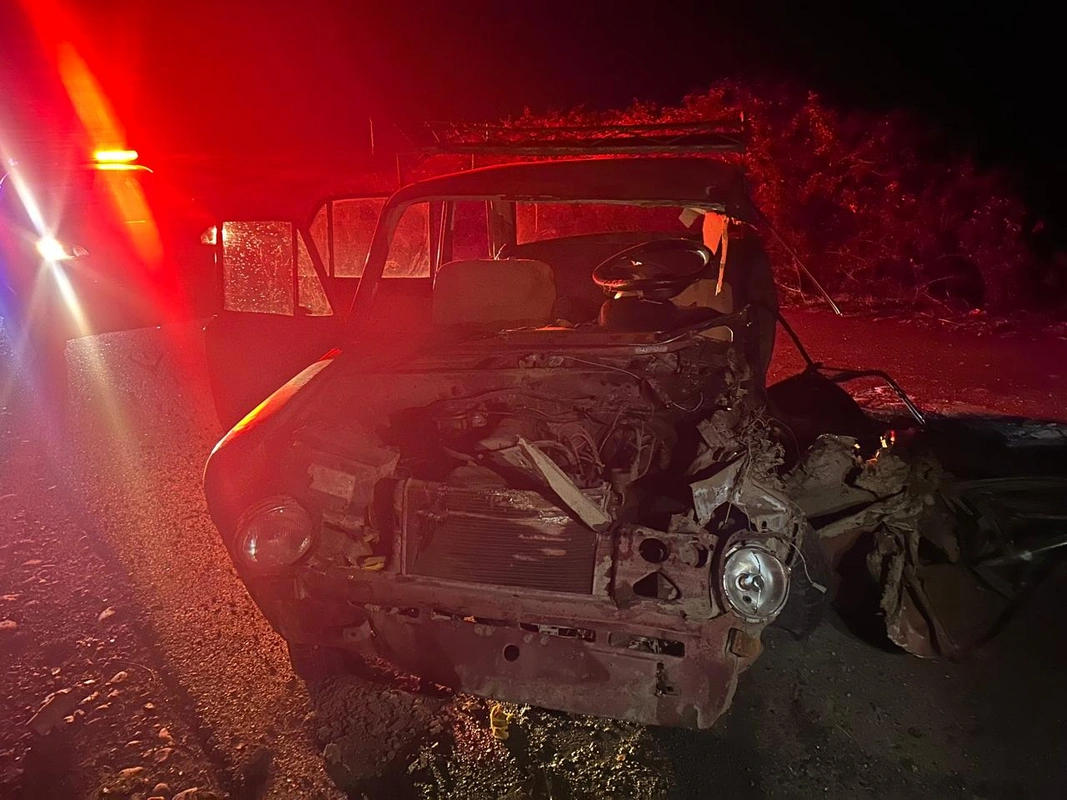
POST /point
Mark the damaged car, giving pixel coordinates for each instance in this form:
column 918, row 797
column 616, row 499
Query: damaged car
column 529, row 451
column 541, row 467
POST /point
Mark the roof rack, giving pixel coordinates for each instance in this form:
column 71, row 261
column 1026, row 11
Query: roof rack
column 463, row 138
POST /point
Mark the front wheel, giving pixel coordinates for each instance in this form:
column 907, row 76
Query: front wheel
column 809, row 588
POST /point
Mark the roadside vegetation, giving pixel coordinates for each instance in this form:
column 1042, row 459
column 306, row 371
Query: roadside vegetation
column 877, row 205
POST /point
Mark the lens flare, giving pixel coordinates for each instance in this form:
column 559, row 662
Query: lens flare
column 97, row 115
column 52, row 249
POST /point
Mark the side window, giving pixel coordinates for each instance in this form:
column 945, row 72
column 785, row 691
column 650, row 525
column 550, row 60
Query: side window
column 353, row 222
column 257, row 267
column 470, row 230
column 267, row 269
column 409, row 251
column 353, row 228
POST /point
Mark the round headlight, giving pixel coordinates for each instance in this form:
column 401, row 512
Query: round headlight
column 274, row 534
column 755, row 582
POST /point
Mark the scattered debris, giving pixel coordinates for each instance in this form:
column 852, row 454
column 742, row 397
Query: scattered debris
column 499, row 719
column 949, row 554
column 56, row 707
column 127, row 782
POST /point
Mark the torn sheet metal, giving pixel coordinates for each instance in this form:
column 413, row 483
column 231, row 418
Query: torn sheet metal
column 832, row 478
column 343, row 483
column 712, row 492
column 769, row 509
column 932, row 610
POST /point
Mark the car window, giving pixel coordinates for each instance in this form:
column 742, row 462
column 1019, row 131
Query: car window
column 409, row 249
column 110, row 196
column 263, row 262
column 470, row 230
column 354, row 221
column 257, row 267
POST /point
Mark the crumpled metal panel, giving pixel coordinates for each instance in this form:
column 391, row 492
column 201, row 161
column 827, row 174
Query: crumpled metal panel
column 543, row 650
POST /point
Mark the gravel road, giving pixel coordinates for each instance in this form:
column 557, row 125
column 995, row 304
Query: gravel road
column 116, row 593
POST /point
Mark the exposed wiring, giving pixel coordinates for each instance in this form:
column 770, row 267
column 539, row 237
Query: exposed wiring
column 805, row 269
column 633, row 375
column 699, row 403
column 804, row 563
column 611, row 429
column 796, row 339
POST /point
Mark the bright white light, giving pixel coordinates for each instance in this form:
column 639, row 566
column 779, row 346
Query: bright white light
column 52, row 249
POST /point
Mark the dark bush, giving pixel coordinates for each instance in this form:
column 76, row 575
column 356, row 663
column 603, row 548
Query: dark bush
column 875, row 204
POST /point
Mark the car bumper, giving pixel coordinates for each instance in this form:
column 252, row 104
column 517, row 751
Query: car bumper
column 542, row 649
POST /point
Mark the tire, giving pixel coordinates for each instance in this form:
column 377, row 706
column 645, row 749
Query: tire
column 809, row 588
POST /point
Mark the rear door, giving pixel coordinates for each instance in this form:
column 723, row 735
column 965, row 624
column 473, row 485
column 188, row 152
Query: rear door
column 286, row 289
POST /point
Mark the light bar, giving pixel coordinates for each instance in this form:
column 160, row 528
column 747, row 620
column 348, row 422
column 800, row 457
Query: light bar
column 115, row 156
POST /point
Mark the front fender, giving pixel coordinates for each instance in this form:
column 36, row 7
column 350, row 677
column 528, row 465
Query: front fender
column 242, row 467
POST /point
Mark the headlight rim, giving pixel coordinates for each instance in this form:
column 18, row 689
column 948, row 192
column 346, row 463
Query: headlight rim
column 244, row 524
column 749, row 542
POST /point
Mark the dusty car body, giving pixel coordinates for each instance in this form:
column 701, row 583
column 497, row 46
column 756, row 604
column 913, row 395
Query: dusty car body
column 525, row 473
column 503, row 493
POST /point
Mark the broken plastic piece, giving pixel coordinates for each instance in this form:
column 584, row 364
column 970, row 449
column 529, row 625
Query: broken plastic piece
column 573, row 497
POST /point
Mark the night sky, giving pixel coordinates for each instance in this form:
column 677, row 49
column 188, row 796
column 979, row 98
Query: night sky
column 227, row 78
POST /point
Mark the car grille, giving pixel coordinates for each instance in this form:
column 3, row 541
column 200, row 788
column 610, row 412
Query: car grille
column 495, row 536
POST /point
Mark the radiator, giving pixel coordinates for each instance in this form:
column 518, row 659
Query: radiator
column 503, row 537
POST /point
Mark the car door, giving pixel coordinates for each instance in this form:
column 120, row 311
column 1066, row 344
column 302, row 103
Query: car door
column 286, row 289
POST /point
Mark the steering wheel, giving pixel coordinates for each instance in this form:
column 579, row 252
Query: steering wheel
column 656, row 270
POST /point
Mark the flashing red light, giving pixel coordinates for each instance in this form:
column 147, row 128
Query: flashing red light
column 115, row 156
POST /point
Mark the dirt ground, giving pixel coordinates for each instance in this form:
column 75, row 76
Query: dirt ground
column 123, row 623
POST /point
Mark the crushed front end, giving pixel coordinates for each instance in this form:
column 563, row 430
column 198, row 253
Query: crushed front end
column 578, row 520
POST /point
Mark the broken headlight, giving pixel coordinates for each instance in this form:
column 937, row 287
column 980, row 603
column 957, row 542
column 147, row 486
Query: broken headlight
column 755, row 582
column 274, row 534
